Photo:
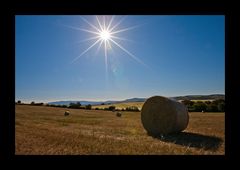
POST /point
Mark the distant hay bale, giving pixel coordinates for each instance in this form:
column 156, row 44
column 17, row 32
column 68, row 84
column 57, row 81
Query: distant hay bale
column 118, row 114
column 161, row 115
column 66, row 113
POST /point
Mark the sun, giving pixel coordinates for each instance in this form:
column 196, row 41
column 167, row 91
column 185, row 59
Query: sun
column 105, row 35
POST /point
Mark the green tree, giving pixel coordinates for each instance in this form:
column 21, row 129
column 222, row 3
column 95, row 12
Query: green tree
column 216, row 102
column 19, row 102
column 132, row 108
column 187, row 102
column 216, row 106
column 208, row 102
column 89, row 107
column 75, row 105
column 112, row 108
column 199, row 106
column 221, row 107
column 212, row 108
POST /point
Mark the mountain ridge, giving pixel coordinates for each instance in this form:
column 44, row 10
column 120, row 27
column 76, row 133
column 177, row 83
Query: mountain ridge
column 187, row 97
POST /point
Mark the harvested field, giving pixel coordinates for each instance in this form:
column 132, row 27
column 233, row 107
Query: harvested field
column 45, row 130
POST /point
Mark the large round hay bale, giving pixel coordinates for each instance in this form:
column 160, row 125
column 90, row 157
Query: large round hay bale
column 161, row 115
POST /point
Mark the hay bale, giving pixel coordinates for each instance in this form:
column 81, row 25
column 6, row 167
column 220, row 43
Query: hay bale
column 118, row 114
column 161, row 115
column 66, row 113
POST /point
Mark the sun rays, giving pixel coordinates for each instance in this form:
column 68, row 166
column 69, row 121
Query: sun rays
column 105, row 34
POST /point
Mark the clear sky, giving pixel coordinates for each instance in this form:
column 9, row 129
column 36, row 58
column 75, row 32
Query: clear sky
column 171, row 56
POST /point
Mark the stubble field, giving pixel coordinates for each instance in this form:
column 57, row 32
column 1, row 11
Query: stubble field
column 41, row 130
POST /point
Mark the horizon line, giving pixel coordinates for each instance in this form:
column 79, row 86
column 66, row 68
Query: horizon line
column 105, row 100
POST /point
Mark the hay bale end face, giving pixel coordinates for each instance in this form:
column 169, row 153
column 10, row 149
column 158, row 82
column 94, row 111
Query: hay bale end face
column 161, row 115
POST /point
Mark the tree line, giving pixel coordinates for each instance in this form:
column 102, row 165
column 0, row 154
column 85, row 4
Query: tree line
column 205, row 106
column 113, row 108
column 192, row 106
column 78, row 105
column 32, row 103
column 89, row 107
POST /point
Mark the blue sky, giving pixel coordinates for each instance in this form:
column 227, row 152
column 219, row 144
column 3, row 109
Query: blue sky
column 182, row 55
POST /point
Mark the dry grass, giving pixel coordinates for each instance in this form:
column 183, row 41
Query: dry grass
column 45, row 130
column 128, row 104
column 121, row 105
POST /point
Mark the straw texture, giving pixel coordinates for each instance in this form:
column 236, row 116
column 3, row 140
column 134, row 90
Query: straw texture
column 161, row 115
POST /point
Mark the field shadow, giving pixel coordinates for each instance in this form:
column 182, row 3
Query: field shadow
column 192, row 140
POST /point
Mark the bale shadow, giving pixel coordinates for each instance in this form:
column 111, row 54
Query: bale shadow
column 192, row 140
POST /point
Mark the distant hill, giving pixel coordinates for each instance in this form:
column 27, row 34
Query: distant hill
column 189, row 97
column 201, row 97
column 135, row 100
column 71, row 101
column 97, row 103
